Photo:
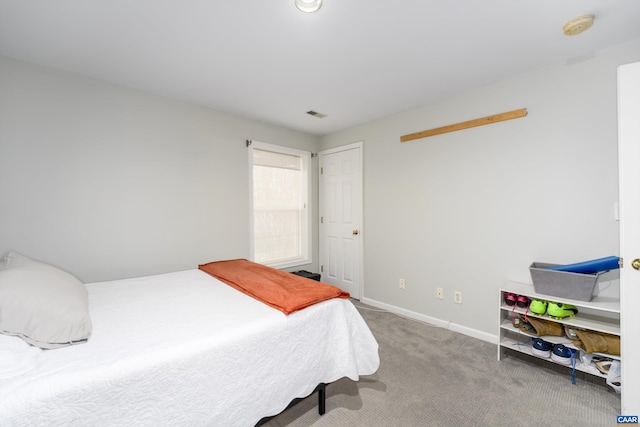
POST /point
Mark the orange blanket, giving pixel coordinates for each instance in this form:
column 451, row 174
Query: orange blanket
column 276, row 288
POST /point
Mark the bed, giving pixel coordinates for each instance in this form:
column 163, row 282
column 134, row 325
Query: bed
column 182, row 348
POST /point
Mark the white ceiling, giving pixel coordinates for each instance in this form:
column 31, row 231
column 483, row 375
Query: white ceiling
column 354, row 60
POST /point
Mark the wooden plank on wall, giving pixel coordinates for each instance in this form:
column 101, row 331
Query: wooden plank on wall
column 465, row 125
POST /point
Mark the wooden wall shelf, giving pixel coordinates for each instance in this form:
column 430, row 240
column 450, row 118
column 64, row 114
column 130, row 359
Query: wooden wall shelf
column 465, row 125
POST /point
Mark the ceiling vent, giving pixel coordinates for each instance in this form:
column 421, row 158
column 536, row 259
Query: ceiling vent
column 316, row 114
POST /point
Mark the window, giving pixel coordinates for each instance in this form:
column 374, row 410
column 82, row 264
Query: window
column 280, row 208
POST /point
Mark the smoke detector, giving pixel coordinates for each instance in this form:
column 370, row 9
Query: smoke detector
column 578, row 25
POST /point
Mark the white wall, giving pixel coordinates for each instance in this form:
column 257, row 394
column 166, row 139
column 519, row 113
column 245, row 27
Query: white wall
column 108, row 182
column 471, row 209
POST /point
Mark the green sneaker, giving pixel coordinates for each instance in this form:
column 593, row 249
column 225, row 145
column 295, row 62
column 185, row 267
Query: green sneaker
column 538, row 306
column 558, row 310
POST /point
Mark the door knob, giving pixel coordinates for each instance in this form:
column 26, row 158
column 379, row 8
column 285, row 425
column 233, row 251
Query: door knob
column 636, row 264
column 356, row 232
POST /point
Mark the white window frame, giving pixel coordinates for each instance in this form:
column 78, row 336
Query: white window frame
column 306, row 236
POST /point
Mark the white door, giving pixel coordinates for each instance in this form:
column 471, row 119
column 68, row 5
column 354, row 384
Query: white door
column 340, row 206
column 629, row 167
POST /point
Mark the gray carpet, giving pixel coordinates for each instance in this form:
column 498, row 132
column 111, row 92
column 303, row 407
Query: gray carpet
column 431, row 376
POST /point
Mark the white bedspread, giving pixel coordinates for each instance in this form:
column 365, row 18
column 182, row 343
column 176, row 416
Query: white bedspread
column 183, row 349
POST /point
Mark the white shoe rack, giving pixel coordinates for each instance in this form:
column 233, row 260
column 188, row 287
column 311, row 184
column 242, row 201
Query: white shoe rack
column 601, row 314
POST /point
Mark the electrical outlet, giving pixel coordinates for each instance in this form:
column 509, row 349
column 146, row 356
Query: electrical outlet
column 402, row 284
column 457, row 297
column 439, row 293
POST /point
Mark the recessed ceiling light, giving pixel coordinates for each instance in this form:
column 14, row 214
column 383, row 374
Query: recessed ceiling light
column 578, row 25
column 308, row 6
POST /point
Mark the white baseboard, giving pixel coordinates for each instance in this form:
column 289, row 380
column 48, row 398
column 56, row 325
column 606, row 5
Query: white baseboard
column 433, row 321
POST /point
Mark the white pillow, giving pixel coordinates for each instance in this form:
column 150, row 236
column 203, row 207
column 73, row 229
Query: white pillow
column 43, row 305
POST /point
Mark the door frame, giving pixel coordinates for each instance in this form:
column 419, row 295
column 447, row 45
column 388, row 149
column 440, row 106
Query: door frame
column 629, row 202
column 360, row 146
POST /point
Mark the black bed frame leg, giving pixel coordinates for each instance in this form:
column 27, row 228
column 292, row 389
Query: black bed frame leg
column 322, row 396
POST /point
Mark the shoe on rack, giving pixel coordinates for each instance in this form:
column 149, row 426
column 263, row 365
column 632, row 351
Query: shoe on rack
column 541, row 348
column 558, row 310
column 597, row 342
column 522, row 301
column 510, row 298
column 603, row 365
column 519, row 323
column 570, row 332
column 537, row 327
column 562, row 354
column 538, row 306
column 540, row 327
